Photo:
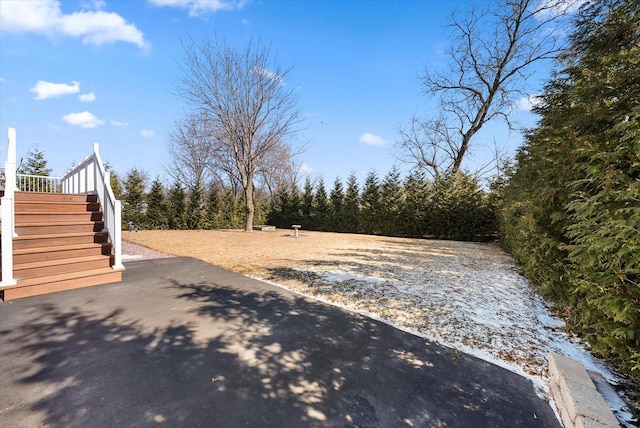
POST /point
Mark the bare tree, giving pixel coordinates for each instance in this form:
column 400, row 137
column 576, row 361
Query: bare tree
column 192, row 149
column 244, row 97
column 489, row 61
column 273, row 172
column 281, row 168
column 429, row 145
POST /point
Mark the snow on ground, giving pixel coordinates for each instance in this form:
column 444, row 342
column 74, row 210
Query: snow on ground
column 471, row 298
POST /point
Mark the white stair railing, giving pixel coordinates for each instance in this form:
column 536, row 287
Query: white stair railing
column 91, row 177
column 38, row 183
column 7, row 212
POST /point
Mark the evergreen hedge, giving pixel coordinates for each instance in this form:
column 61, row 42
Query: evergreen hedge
column 452, row 207
column 571, row 213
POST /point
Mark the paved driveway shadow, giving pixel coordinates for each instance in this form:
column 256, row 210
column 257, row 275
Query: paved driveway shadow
column 180, row 343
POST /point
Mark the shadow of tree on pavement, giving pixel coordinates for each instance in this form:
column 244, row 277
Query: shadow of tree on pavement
column 217, row 352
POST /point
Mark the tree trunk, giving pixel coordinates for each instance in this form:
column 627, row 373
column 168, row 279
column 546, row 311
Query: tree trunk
column 248, row 206
column 464, row 145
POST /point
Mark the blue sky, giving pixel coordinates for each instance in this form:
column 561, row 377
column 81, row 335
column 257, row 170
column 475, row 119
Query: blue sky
column 77, row 72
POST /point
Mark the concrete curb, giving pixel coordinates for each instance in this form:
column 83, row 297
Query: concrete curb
column 579, row 403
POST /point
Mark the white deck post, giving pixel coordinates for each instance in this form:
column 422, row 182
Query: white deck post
column 117, row 235
column 7, row 211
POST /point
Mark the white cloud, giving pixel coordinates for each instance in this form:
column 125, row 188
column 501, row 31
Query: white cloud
column 147, row 133
column 117, row 124
column 555, row 8
column 93, row 4
column 46, row 90
column 87, row 98
column 83, row 120
column 54, row 127
column 268, row 74
column 201, row 7
column 371, row 139
column 46, row 18
column 527, row 103
column 306, row 169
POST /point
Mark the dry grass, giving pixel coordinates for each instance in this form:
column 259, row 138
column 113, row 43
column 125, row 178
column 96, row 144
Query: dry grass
column 257, row 253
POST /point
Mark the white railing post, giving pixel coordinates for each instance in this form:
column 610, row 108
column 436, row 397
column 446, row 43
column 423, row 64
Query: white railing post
column 7, row 211
column 107, row 211
column 117, row 235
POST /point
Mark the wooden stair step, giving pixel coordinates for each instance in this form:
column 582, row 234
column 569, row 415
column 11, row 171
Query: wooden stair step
column 67, row 281
column 57, row 197
column 54, row 223
column 58, row 206
column 34, row 265
column 54, row 201
column 56, row 235
column 41, row 216
column 57, row 217
column 54, row 239
column 58, row 227
column 62, row 277
column 47, row 268
column 54, row 212
column 28, row 255
column 69, row 247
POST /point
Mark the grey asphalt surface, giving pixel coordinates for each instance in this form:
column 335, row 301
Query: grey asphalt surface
column 181, row 343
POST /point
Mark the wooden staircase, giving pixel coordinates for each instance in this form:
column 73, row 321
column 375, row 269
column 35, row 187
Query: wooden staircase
column 60, row 245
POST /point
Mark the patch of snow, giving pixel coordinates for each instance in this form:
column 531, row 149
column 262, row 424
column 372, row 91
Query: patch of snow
column 467, row 301
column 338, row 276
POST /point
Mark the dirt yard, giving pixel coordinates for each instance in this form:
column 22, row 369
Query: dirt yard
column 468, row 296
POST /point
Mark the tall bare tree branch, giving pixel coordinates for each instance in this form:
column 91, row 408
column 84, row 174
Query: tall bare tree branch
column 192, row 149
column 491, row 56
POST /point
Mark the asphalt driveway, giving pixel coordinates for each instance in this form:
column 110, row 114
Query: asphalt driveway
column 181, row 343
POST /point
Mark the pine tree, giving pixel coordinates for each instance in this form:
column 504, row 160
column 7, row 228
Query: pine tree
column 351, row 209
column 321, row 209
column 35, row 164
column 156, row 215
column 458, row 209
column 295, row 207
column 371, row 205
column 392, row 199
column 307, row 205
column 116, row 186
column 261, row 209
column 195, row 209
column 213, row 216
column 177, row 207
column 231, row 215
column 279, row 210
column 134, row 205
column 114, row 180
column 412, row 213
column 336, row 197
